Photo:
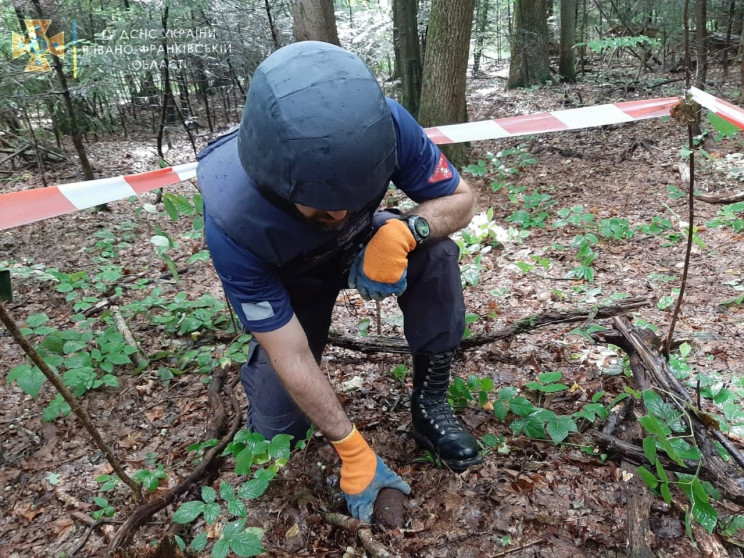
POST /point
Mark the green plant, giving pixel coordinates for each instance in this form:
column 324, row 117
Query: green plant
column 106, row 509
column 399, row 372
column 574, row 216
column 252, row 455
column 150, row 479
column 728, row 216
column 461, row 392
column 533, row 214
column 585, row 255
column 87, row 357
column 669, row 430
column 502, row 165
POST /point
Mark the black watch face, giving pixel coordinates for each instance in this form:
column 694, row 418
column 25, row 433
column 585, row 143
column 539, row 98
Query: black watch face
column 422, row 227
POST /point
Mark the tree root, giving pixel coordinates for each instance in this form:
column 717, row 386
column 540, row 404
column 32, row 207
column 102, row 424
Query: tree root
column 211, row 461
column 375, row 548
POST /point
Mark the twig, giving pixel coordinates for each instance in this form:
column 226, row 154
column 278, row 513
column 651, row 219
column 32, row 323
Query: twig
column 688, row 252
column 375, row 548
column 80, row 413
column 140, row 359
column 520, row 547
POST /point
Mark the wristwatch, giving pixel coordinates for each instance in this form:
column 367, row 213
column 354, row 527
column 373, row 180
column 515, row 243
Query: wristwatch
column 419, row 227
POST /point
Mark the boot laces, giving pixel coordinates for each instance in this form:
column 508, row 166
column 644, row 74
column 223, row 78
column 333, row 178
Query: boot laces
column 440, row 414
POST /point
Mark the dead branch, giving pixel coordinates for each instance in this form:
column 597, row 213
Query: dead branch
column 722, row 199
column 525, row 325
column 211, row 461
column 354, row 526
column 651, row 370
column 71, row 400
column 140, row 359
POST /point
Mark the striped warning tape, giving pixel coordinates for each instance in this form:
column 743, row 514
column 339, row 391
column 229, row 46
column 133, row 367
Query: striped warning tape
column 725, row 110
column 28, row 206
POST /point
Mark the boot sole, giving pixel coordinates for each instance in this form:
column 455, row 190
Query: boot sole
column 457, row 465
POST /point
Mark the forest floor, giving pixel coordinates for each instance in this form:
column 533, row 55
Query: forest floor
column 529, row 497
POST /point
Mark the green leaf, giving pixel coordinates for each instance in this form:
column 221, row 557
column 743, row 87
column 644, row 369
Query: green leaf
column 553, row 388
column 549, row 377
column 160, row 241
column 236, row 508
column 521, row 406
column 507, row 393
column 227, row 492
column 35, row 320
column 188, row 512
column 211, row 513
column 279, row 446
column 559, row 428
column 649, row 448
column 665, row 492
column 252, row 489
column 73, row 347
column 500, row 410
column 57, row 407
column 246, row 544
column 221, row 548
column 661, row 472
column 648, row 477
column 208, row 494
column 705, row 514
column 199, row 542
column 28, row 378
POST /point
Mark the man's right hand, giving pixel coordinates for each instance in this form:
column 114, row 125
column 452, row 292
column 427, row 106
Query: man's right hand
column 363, row 475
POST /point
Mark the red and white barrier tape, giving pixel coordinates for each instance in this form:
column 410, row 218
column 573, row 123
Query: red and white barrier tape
column 28, row 206
column 725, row 110
column 554, row 121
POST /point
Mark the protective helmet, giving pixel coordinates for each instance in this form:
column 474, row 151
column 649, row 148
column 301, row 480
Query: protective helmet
column 316, row 129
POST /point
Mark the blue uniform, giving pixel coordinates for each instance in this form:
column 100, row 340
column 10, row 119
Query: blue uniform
column 274, row 263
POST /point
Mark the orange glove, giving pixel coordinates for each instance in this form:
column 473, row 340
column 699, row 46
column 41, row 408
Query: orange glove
column 363, row 475
column 380, row 269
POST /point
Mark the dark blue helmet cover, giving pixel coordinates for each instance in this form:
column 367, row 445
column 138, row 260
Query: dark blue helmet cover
column 316, row 129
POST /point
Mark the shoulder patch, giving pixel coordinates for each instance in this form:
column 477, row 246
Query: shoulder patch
column 441, row 171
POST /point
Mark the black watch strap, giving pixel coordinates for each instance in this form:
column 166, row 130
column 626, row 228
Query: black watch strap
column 419, row 227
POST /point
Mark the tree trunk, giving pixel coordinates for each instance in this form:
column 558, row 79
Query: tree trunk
column 567, row 64
column 481, row 24
column 274, row 36
column 406, row 12
column 701, row 43
column 75, row 133
column 445, row 68
column 314, row 20
column 530, row 64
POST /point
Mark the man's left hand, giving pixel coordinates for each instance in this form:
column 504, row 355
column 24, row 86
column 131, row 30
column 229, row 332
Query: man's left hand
column 379, row 270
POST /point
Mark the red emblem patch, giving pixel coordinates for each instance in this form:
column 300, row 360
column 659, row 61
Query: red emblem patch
column 441, row 171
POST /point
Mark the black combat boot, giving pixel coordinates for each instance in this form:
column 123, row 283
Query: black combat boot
column 435, row 426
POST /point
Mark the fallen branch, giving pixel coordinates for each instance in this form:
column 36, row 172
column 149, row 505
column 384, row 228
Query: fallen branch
column 650, row 370
column 71, row 400
column 525, row 325
column 211, row 460
column 721, row 199
column 354, row 526
column 140, row 359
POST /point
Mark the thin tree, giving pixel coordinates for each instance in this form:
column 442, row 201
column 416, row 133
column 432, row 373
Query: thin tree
column 701, row 42
column 445, row 68
column 530, row 64
column 405, row 29
column 314, row 20
column 567, row 62
column 75, row 132
column 481, row 25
